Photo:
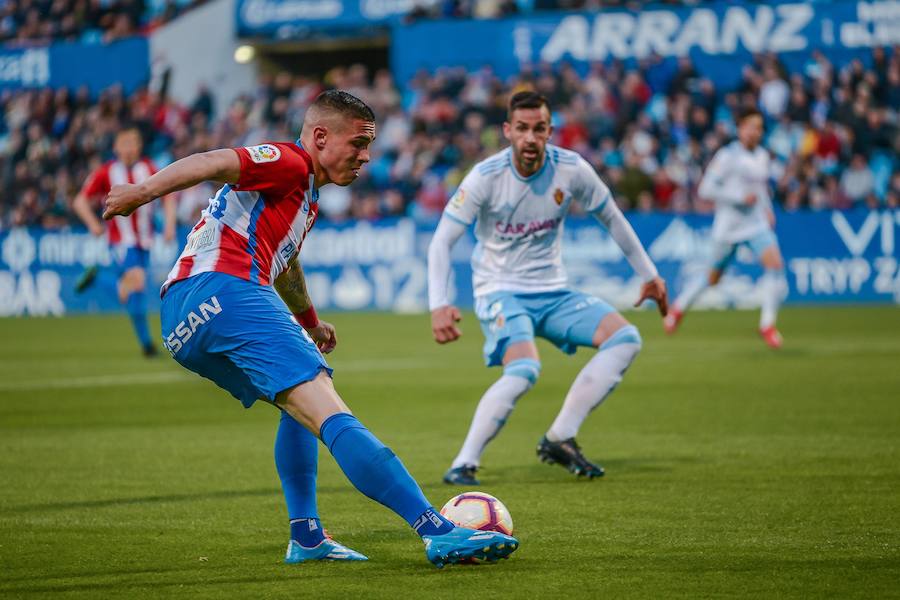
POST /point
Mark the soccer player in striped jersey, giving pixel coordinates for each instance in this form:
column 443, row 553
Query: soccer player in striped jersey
column 227, row 315
column 131, row 237
column 518, row 200
column 737, row 180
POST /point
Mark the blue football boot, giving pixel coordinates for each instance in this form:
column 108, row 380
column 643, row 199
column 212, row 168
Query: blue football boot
column 328, row 549
column 461, row 544
column 464, row 475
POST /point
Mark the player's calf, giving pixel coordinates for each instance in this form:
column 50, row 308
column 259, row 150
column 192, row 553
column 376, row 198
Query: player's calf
column 494, row 408
column 597, row 379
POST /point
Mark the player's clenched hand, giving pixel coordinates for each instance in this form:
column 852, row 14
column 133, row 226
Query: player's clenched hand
column 443, row 324
column 123, row 200
column 655, row 289
column 324, row 337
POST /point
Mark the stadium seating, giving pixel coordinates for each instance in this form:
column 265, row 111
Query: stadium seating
column 648, row 131
column 27, row 22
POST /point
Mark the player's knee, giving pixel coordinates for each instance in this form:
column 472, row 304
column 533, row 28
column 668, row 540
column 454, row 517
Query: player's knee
column 775, row 262
column 526, row 368
column 139, row 281
column 714, row 277
column 134, row 280
column 627, row 334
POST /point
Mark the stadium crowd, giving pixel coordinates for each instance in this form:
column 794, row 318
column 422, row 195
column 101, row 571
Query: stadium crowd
column 31, row 22
column 649, row 131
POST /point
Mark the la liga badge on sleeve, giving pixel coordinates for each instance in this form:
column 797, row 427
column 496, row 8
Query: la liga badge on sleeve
column 264, row 153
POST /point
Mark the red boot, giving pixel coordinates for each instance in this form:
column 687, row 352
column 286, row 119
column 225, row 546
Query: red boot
column 672, row 320
column 771, row 337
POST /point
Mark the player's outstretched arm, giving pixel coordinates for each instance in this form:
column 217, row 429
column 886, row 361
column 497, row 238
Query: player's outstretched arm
column 83, row 209
column 654, row 286
column 291, row 286
column 170, row 217
column 215, row 165
column 444, row 316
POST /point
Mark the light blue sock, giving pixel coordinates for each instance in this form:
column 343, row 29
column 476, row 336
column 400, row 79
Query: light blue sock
column 136, row 305
column 377, row 472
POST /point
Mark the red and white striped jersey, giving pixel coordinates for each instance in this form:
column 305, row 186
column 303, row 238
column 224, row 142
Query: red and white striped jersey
column 252, row 229
column 135, row 230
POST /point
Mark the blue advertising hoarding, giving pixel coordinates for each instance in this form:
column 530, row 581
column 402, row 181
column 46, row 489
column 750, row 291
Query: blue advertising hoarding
column 712, row 34
column 302, row 18
column 831, row 257
column 97, row 66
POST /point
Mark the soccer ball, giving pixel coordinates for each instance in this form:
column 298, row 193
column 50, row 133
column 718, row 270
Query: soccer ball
column 478, row 510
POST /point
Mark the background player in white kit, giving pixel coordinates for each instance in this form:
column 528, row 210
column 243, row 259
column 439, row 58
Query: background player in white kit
column 518, row 200
column 737, row 180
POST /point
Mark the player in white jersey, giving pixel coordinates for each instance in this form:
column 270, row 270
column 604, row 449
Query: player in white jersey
column 737, row 180
column 518, row 200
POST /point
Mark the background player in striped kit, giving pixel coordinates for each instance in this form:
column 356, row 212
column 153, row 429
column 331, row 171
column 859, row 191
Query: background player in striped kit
column 222, row 319
column 131, row 237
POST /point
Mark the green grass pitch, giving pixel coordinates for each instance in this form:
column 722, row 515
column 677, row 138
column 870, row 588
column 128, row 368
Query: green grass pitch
column 732, row 471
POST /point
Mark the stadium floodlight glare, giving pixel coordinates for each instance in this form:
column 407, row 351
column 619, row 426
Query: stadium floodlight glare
column 244, row 54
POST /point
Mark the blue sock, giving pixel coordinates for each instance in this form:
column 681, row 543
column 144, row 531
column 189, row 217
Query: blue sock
column 296, row 459
column 307, row 532
column 137, row 310
column 377, row 472
column 431, row 522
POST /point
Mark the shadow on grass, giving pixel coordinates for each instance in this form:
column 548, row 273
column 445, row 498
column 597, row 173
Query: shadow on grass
column 156, row 499
column 170, row 578
column 543, row 474
column 747, row 568
column 44, row 577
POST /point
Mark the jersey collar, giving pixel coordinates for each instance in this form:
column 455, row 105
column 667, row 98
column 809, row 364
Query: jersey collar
column 533, row 176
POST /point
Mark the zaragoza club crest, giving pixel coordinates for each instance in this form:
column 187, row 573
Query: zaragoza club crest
column 558, row 197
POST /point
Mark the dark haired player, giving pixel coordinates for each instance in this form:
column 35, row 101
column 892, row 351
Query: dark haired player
column 737, row 180
column 226, row 315
column 518, row 200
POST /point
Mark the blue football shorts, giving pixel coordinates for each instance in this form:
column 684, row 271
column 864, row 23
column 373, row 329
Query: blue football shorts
column 565, row 318
column 238, row 334
column 722, row 253
column 128, row 257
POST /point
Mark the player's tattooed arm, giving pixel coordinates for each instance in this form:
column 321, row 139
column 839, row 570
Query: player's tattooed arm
column 291, row 286
column 215, row 165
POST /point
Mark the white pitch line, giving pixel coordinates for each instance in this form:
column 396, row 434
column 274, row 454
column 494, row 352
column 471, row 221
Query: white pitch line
column 381, row 364
column 154, row 378
column 94, row 381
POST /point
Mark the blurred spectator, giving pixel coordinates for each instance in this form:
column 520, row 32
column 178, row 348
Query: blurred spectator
column 649, row 131
column 857, row 181
column 28, row 22
column 773, row 94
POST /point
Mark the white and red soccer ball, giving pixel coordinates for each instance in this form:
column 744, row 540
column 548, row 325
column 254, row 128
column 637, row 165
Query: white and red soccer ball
column 477, row 510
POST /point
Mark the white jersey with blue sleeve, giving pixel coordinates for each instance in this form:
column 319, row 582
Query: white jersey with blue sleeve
column 733, row 174
column 519, row 221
